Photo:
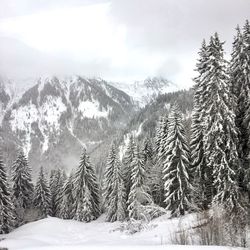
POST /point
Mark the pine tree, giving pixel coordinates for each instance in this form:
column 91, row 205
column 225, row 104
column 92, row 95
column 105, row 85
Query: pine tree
column 127, row 161
column 42, row 195
column 22, row 185
column 246, row 120
column 160, row 131
column 86, row 191
column 221, row 137
column 139, row 193
column 176, row 168
column 67, row 207
column 108, row 175
column 115, row 195
column 202, row 175
column 240, row 87
column 6, row 206
column 151, row 172
column 161, row 135
column 57, row 179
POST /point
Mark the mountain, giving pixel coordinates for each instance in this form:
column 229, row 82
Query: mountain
column 6, row 96
column 147, row 90
column 55, row 118
column 11, row 91
column 52, row 120
column 143, row 123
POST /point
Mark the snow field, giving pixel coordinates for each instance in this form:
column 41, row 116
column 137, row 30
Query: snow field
column 53, row 233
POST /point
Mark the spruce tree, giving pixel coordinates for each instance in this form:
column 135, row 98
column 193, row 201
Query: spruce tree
column 57, row 179
column 42, row 195
column 160, row 128
column 108, row 175
column 202, row 174
column 246, row 120
column 6, row 206
column 86, row 191
column 67, row 207
column 115, row 194
column 127, row 161
column 176, row 167
column 22, row 185
column 240, row 87
column 161, row 135
column 139, row 192
column 151, row 171
column 221, row 139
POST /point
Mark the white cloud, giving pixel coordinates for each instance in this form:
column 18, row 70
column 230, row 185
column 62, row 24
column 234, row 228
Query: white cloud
column 115, row 39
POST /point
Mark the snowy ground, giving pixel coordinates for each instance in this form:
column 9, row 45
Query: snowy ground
column 54, row 233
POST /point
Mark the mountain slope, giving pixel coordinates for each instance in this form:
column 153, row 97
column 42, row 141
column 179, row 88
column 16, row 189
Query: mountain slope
column 143, row 123
column 54, row 119
column 147, row 90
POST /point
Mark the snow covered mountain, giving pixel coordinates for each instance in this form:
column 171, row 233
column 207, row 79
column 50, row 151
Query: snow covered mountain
column 11, row 91
column 147, row 90
column 144, row 122
column 55, row 118
column 7, row 94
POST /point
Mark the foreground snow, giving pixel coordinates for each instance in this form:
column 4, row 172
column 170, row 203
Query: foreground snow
column 54, row 233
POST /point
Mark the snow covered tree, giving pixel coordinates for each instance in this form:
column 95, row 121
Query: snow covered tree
column 67, row 207
column 147, row 150
column 220, row 138
column 160, row 149
column 245, row 79
column 202, row 175
column 127, row 161
column 22, row 185
column 176, row 167
column 42, row 195
column 151, row 171
column 160, row 127
column 6, row 206
column 139, row 193
column 57, row 179
column 114, row 193
column 86, row 191
column 240, row 87
column 108, row 175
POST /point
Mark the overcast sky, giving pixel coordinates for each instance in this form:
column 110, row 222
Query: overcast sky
column 120, row 40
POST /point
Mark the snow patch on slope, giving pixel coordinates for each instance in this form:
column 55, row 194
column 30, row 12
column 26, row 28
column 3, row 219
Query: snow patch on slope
column 47, row 117
column 145, row 91
column 92, row 109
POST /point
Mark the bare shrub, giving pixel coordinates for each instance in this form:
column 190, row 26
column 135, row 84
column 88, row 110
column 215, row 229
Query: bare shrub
column 182, row 237
column 213, row 227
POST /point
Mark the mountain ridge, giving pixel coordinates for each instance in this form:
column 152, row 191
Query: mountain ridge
column 56, row 117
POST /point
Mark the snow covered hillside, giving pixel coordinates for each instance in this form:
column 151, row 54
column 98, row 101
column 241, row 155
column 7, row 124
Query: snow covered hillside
column 54, row 233
column 55, row 118
column 147, row 90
